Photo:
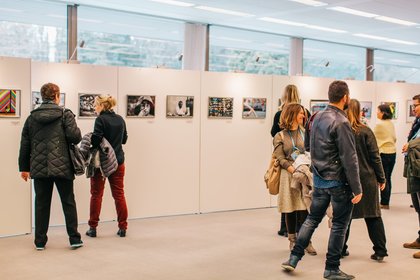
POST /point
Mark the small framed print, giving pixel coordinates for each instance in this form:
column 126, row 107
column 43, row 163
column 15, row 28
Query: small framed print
column 179, row 106
column 318, row 105
column 220, row 107
column 87, row 105
column 141, row 106
column 9, row 103
column 394, row 109
column 366, row 109
column 411, row 115
column 37, row 99
column 254, row 108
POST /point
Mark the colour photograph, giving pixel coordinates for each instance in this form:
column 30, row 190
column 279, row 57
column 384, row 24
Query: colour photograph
column 366, row 109
column 220, row 107
column 318, row 105
column 394, row 109
column 254, row 108
column 9, row 103
column 141, row 106
column 179, row 106
column 411, row 115
column 37, row 99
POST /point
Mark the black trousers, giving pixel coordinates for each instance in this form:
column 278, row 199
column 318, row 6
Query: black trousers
column 43, row 194
column 376, row 231
column 415, row 198
column 388, row 163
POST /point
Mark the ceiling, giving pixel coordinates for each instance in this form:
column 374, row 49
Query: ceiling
column 283, row 17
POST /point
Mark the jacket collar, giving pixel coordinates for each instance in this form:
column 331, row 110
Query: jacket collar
column 336, row 109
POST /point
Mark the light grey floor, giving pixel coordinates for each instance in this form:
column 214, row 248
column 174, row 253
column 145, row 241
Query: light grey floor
column 229, row 245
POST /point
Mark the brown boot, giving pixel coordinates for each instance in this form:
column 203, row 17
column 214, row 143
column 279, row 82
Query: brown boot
column 292, row 239
column 416, row 255
column 310, row 249
column 412, row 245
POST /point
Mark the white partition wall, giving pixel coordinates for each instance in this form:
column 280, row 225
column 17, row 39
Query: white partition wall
column 15, row 198
column 72, row 80
column 162, row 154
column 234, row 152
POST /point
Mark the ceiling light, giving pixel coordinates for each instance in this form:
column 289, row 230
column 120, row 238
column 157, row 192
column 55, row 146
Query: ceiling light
column 395, row 20
column 223, row 11
column 385, row 39
column 400, row 60
column 280, row 21
column 325, row 28
column 374, row 37
column 402, row 42
column 352, row 12
column 233, row 39
column 11, row 10
column 89, row 20
column 311, row 3
column 174, row 3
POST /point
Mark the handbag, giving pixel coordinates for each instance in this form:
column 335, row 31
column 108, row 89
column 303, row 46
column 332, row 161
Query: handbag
column 272, row 175
column 76, row 156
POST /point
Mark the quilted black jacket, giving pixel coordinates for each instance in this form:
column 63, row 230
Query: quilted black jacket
column 44, row 148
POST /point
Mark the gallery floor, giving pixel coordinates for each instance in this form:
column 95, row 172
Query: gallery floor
column 233, row 245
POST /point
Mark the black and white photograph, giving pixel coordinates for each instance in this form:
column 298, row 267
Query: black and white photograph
column 220, row 107
column 179, row 106
column 254, row 108
column 141, row 106
column 37, row 99
column 318, row 105
column 87, row 105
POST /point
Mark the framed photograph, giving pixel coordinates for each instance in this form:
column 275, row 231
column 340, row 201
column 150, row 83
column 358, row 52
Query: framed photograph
column 254, row 108
column 141, row 106
column 179, row 106
column 318, row 105
column 366, row 109
column 220, row 107
column 87, row 105
column 9, row 103
column 394, row 109
column 411, row 115
column 37, row 99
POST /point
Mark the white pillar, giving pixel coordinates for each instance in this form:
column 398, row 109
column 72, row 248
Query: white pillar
column 196, row 47
column 296, row 57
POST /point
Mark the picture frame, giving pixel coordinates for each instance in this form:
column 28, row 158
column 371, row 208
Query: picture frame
column 87, row 105
column 317, row 105
column 37, row 100
column 411, row 115
column 366, row 109
column 394, row 109
column 10, row 103
column 141, row 106
column 179, row 106
column 254, row 108
column 220, row 107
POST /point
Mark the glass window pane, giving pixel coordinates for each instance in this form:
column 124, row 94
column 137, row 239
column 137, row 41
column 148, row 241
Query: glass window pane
column 125, row 39
column 321, row 59
column 33, row 29
column 235, row 50
column 393, row 67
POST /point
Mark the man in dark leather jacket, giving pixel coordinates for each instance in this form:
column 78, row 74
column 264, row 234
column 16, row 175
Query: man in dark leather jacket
column 336, row 180
column 44, row 156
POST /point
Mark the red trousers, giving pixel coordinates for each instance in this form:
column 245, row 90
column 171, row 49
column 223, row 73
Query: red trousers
column 97, row 186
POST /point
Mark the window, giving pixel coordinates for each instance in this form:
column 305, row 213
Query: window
column 235, row 50
column 125, row 39
column 393, row 67
column 321, row 59
column 33, row 29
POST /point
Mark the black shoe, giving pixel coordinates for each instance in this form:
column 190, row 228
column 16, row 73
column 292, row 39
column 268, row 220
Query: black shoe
column 91, row 232
column 376, row 257
column 345, row 253
column 291, row 263
column 337, row 274
column 122, row 232
column 76, row 245
column 282, row 233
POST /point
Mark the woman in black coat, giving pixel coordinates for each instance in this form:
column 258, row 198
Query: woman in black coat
column 372, row 177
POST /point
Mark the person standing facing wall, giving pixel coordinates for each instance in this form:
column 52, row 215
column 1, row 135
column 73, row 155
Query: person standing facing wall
column 44, row 156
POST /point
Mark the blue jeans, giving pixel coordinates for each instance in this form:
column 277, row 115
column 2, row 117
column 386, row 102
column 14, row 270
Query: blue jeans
column 340, row 198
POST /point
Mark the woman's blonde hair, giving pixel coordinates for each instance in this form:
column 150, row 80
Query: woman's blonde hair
column 290, row 114
column 290, row 95
column 107, row 101
column 353, row 114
